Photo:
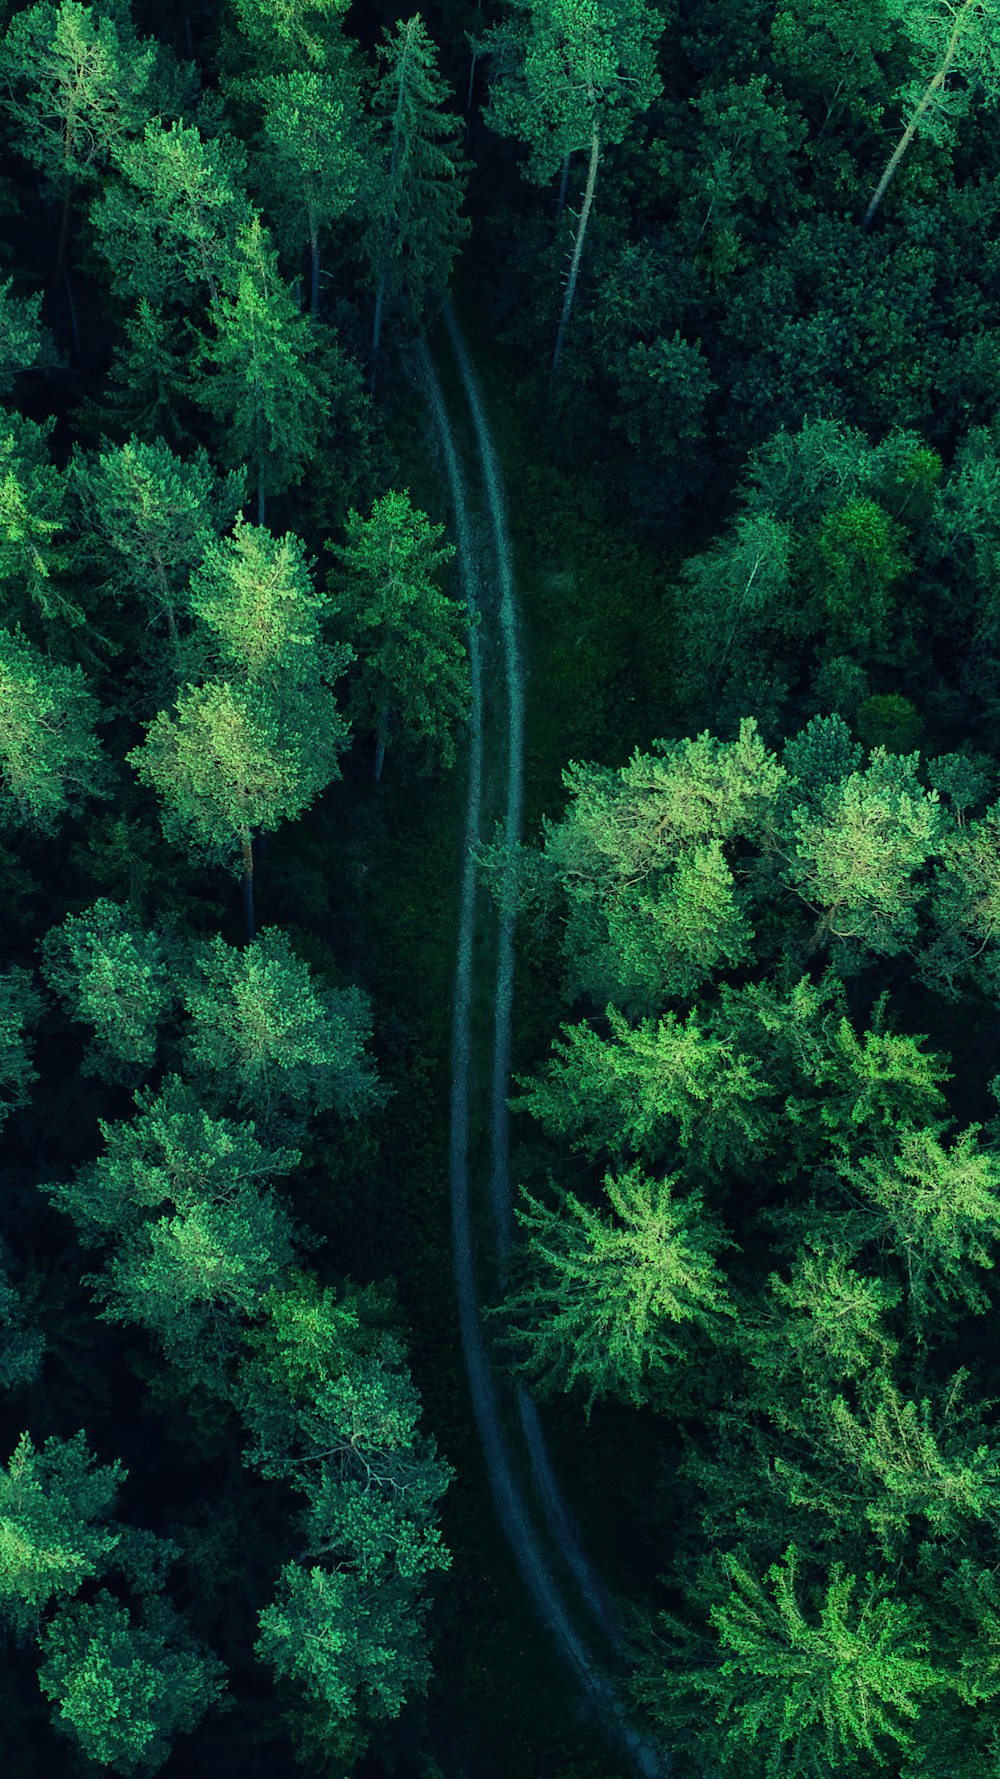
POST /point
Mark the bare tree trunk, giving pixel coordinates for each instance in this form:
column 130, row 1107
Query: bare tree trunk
column 377, row 326
column 563, row 187
column 246, row 850
column 383, row 724
column 908, row 134
column 314, row 281
column 581, row 230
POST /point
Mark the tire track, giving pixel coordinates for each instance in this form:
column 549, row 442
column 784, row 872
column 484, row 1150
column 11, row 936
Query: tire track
column 507, row 1492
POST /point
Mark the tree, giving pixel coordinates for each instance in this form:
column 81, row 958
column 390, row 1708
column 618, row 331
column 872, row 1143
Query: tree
column 288, row 30
column 797, row 1690
column 50, row 760
column 605, row 1299
column 270, row 1039
column 33, row 520
column 24, row 343
column 571, row 75
column 169, row 227
column 312, row 160
column 75, row 86
column 124, row 1689
column 55, row 1503
column 20, row 1006
column 117, row 977
column 414, row 227
column 151, row 515
column 197, row 1235
column 263, row 384
column 253, row 594
column 331, row 1410
column 409, row 635
column 948, row 37
column 227, row 761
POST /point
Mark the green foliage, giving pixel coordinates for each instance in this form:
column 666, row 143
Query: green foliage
column 263, row 385
column 24, row 344
column 117, row 977
column 226, row 761
column 269, row 1038
column 253, row 593
column 564, row 66
column 74, row 84
column 33, row 521
column 169, row 228
column 416, row 185
column 287, row 30
column 54, row 1507
column 820, row 1328
column 22, row 1347
column 50, row 759
column 332, row 1410
column 409, row 636
column 124, row 1689
column 605, row 1298
column 20, row 1007
column 150, row 515
column 805, row 1689
column 311, row 161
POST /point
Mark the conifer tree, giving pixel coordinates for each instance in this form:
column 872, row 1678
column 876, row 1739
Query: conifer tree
column 571, row 75
column 270, row 1039
column 34, row 556
column 290, row 31
column 55, row 1502
column 254, row 596
column 311, row 161
column 124, row 1687
column 608, row 1299
column 50, row 760
column 262, row 384
column 114, row 976
column 408, row 634
column 415, row 226
column 152, row 515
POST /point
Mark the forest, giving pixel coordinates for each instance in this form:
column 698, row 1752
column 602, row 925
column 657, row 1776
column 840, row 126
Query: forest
column 500, row 866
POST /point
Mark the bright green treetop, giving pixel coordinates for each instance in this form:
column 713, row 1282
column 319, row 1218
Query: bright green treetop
column 74, row 84
column 607, row 1299
column 254, row 594
column 169, row 227
column 54, row 1508
column 124, row 1689
column 115, row 976
column 268, row 1037
column 50, row 761
column 409, row 635
column 288, row 31
column 34, row 555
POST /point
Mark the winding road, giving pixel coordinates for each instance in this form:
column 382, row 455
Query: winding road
column 485, row 566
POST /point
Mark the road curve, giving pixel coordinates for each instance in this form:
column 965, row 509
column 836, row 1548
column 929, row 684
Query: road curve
column 508, row 1495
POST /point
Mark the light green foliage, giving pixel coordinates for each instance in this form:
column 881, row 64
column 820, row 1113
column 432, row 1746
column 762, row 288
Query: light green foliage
column 227, row 762
column 123, row 1689
column 54, row 1508
column 657, row 1088
column 288, row 30
column 850, row 567
column 948, row 38
column 169, row 227
column 605, row 1297
column 801, row 1687
column 653, row 904
column 818, row 1329
column 115, row 976
column 936, row 1208
column 409, row 635
column 565, row 66
column 332, row 1410
column 262, row 386
column 50, row 761
column 416, row 189
column 861, row 858
column 20, row 1006
column 24, row 343
column 74, row 85
column 254, row 595
column 966, row 901
column 152, row 514
column 269, row 1037
column 311, row 160
column 33, row 521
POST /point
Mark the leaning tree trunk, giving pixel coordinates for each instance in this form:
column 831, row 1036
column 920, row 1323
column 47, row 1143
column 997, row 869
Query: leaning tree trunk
column 246, row 851
column 581, row 230
column 911, row 129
